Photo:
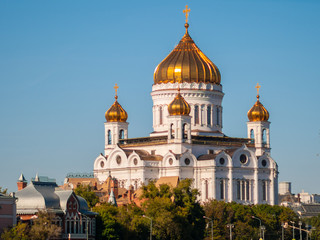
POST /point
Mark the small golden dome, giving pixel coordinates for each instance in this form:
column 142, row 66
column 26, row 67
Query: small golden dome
column 179, row 106
column 116, row 113
column 258, row 112
column 186, row 63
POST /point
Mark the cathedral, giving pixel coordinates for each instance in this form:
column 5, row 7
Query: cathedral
column 187, row 139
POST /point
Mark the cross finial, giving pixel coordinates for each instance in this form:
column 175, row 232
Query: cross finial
column 258, row 88
column 116, row 88
column 186, row 12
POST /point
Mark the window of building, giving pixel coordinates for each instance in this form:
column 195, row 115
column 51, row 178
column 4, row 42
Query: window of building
column 221, row 161
column 243, row 190
column 160, row 116
column 206, row 188
column 210, row 151
column 264, row 191
column 209, row 115
column 238, row 190
column 218, row 116
column 121, row 134
column 252, row 135
column 264, row 137
column 243, row 158
column 221, row 189
column 264, row 163
column 172, row 130
column 109, row 136
column 184, row 131
column 196, row 114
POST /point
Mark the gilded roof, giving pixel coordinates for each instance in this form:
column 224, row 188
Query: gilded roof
column 179, row 106
column 187, row 63
column 258, row 112
column 116, row 113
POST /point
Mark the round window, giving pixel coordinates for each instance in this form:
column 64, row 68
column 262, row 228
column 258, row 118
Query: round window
column 187, row 161
column 135, row 161
column 118, row 159
column 170, row 161
column 243, row 158
column 264, row 163
column 101, row 164
column 221, row 161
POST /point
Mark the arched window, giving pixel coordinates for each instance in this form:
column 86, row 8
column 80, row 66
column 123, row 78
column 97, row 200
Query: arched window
column 218, row 116
column 121, row 134
column 184, row 131
column 221, row 189
column 209, row 115
column 238, row 190
column 172, row 130
column 264, row 191
column 264, row 137
column 160, row 115
column 252, row 135
column 196, row 114
column 109, row 137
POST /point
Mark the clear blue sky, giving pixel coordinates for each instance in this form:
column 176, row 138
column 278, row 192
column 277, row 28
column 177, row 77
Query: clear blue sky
column 59, row 61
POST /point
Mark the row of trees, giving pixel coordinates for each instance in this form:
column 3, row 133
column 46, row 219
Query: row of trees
column 42, row 228
column 177, row 214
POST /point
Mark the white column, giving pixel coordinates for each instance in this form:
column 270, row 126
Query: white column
column 230, row 184
column 256, row 187
column 213, row 183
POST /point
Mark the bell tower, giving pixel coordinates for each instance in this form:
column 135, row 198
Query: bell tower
column 258, row 126
column 179, row 121
column 116, row 126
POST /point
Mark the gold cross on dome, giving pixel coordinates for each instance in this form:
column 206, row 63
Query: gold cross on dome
column 258, row 88
column 186, row 12
column 116, row 88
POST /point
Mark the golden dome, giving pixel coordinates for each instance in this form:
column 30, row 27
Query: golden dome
column 116, row 113
column 186, row 63
column 258, row 112
column 179, row 106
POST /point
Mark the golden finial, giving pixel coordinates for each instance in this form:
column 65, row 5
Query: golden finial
column 258, row 88
column 116, row 89
column 186, row 12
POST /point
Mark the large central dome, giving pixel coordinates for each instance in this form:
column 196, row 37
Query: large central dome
column 186, row 63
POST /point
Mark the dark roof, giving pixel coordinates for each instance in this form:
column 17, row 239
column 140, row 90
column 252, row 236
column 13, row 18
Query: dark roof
column 207, row 156
column 144, row 155
column 199, row 139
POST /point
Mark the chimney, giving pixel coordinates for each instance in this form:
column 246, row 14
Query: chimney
column 22, row 183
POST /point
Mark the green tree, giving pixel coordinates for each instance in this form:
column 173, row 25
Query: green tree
column 108, row 227
column 88, row 194
column 245, row 227
column 176, row 213
column 18, row 232
column 314, row 222
column 43, row 227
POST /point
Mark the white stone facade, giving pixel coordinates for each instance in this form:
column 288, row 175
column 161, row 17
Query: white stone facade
column 222, row 168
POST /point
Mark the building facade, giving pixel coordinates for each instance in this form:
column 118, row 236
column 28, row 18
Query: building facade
column 71, row 211
column 188, row 140
column 7, row 212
